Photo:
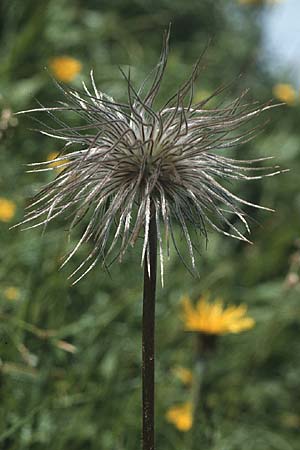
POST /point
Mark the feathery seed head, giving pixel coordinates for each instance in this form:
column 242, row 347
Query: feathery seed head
column 129, row 162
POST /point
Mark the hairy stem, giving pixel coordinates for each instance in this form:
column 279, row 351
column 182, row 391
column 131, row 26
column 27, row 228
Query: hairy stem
column 148, row 346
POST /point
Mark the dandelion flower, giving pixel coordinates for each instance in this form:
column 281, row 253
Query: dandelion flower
column 129, row 163
column 201, row 94
column 289, row 420
column 181, row 416
column 213, row 318
column 65, row 68
column 11, row 293
column 285, row 93
column 7, row 209
column 51, row 157
column 183, row 374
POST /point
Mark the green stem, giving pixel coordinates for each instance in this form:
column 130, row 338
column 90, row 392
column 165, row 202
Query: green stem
column 202, row 432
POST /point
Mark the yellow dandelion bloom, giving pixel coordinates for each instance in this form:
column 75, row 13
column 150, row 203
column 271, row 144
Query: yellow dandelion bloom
column 213, row 318
column 181, row 416
column 11, row 293
column 183, row 374
column 201, row 95
column 7, row 209
column 65, row 68
column 285, row 93
column 290, row 420
column 56, row 164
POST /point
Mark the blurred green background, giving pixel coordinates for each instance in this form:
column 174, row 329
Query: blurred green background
column 70, row 356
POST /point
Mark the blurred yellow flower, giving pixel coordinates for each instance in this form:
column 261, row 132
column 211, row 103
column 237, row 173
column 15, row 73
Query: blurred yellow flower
column 201, row 95
column 181, row 416
column 285, row 93
column 213, row 318
column 7, row 209
column 183, row 374
column 51, row 156
column 290, row 420
column 65, row 68
column 11, row 293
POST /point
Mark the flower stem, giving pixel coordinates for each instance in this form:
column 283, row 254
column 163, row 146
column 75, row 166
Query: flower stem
column 203, row 430
column 148, row 340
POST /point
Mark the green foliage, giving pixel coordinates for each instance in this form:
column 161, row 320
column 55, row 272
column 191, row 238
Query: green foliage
column 70, row 356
